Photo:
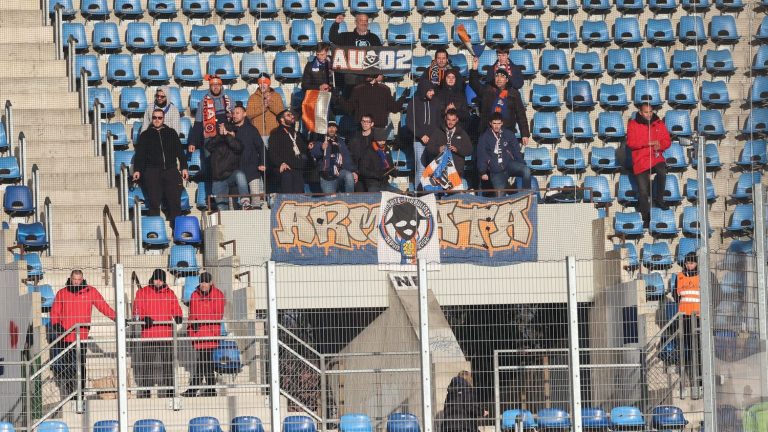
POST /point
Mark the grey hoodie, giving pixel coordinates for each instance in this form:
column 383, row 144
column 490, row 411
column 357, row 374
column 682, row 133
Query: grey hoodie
column 172, row 117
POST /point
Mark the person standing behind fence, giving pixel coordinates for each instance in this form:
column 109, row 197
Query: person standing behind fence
column 688, row 296
column 207, row 304
column 74, row 305
column 154, row 303
column 462, row 408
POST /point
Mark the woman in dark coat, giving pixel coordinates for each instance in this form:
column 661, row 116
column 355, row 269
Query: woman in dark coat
column 462, row 408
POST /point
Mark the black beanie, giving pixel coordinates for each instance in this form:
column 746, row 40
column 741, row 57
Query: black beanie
column 206, row 277
column 157, row 274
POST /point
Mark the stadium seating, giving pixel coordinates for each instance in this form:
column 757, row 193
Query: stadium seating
column 402, row 34
column 171, row 37
column 686, row 62
column 204, row 38
column 263, row 9
column 710, row 124
column 68, row 11
column 153, row 232
column 95, row 9
column 681, row 93
column 690, row 30
column 597, row 190
column 523, row 58
column 719, row 62
column 152, row 70
column 187, row 231
column 714, row 94
column 196, row 8
column 562, row 33
column 105, row 38
column 4, row 144
column 655, row 256
column 692, row 190
column 551, row 419
column 509, row 419
column 138, row 37
column 123, row 157
column 148, row 425
column 530, row 7
column 161, row 9
column 363, row 6
column 554, row 64
column 619, row 63
column 120, row 70
column 187, row 70
column 671, row 194
column 91, row 65
column 117, row 132
column 578, row 127
column 722, row 30
column 230, row 8
column 578, row 94
column 75, row 31
column 545, row 96
column 684, row 247
column 330, row 8
column 690, row 224
column 498, row 33
column 594, row 418
column 133, row 101
column 546, row 127
column 204, row 424
column 753, row 154
column 743, row 189
column 497, row 7
column 678, row 123
column 563, row 186
column 303, row 34
column 17, row 201
column 626, row 32
column 603, row 160
column 675, row 158
column 563, row 7
column 32, row 236
column 659, row 32
column 627, row 190
column 430, row 7
column 570, row 160
column 633, row 262
column 530, row 33
column 54, row 426
column 246, row 424
column 433, row 35
column 595, row 34
column 252, row 65
column 587, row 65
column 128, row 9
column 104, row 97
column 35, row 272
column 662, row 223
column 183, row 260
column 629, row 224
column 711, row 158
column 298, row 424
column 9, row 169
column 647, row 91
column 757, row 122
column 654, row 286
column 742, row 221
column 402, row 422
column 223, row 66
column 613, row 96
column 355, row 423
column 652, row 62
column 538, row 160
column 269, row 35
column 287, row 66
column 596, row 7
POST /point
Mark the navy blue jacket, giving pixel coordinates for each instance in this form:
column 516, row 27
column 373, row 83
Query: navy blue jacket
column 324, row 158
column 253, row 150
column 487, row 161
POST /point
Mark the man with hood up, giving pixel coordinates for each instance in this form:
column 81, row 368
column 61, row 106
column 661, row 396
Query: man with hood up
column 424, row 118
column 206, row 304
column 450, row 95
column 74, row 305
column 157, row 307
column 462, row 408
column 163, row 102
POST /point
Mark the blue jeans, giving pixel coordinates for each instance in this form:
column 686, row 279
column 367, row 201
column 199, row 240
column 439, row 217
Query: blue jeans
column 220, row 188
column 500, row 180
column 418, row 150
column 344, row 181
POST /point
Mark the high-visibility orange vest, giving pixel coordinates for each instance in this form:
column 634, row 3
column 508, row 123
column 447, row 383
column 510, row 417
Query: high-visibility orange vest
column 689, row 297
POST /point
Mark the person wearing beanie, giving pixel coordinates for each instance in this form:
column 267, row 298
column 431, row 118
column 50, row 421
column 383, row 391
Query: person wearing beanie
column 206, row 304
column 157, row 307
column 263, row 105
column 73, row 305
column 214, row 108
column 376, row 165
column 163, row 102
column 287, row 154
column 500, row 98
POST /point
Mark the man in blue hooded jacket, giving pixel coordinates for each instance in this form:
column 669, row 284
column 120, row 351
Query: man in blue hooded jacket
column 499, row 157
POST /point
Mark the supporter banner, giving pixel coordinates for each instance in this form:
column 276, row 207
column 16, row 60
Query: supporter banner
column 347, row 229
column 372, row 60
column 441, row 174
column 314, row 110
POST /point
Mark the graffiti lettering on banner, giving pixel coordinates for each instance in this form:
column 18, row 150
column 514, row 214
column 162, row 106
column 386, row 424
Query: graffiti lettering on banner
column 353, row 229
column 372, row 60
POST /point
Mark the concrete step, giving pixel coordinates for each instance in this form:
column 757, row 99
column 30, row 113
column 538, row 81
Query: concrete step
column 54, row 98
column 92, row 246
column 87, row 230
column 79, row 164
column 51, row 117
column 32, row 68
column 94, row 194
column 20, row 4
column 34, row 85
column 66, row 181
column 21, row 17
column 27, row 34
column 70, row 211
column 37, row 131
column 38, row 149
column 26, row 51
column 142, row 264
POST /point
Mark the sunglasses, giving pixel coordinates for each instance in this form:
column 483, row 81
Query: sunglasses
column 160, row 96
column 157, row 118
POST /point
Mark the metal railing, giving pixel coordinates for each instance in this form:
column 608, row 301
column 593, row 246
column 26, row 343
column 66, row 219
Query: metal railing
column 123, row 194
column 49, row 224
column 669, row 339
column 83, row 93
column 137, row 225
column 96, row 126
column 107, row 217
column 71, row 65
column 9, row 120
column 110, row 158
column 58, row 29
column 21, row 155
column 36, row 190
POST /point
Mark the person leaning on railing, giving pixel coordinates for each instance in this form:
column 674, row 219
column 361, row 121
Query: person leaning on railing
column 462, row 409
column 206, row 304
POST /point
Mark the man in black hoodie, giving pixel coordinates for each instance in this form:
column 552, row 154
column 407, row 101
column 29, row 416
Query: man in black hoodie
column 450, row 95
column 501, row 99
column 155, row 164
column 423, row 119
column 359, row 37
column 462, row 408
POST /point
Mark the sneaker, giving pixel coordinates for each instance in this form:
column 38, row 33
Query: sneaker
column 245, row 204
column 208, row 393
column 189, row 393
column 143, row 394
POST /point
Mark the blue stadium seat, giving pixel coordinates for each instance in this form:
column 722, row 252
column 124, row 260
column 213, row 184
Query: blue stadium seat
column 174, row 97
column 184, row 128
column 270, row 35
column 524, row 59
column 152, row 69
column 138, row 37
column 4, row 144
column 744, row 184
column 52, row 426
column 690, row 224
column 77, row 32
column 129, row 9
column 375, row 28
column 497, row 7
column 430, row 7
column 90, row 63
column 545, row 96
column 105, row 100
column 252, row 65
column 470, row 26
column 630, row 6
column 659, row 32
column 263, row 8
column 204, row 38
column 222, row 65
column 187, row 231
column 195, row 162
column 530, row 33
column 239, row 97
column 401, row 34
column 226, row 358
column 106, row 38
column 32, row 236
column 106, row 426
column 587, row 65
column 633, row 262
column 710, row 124
column 759, row 91
column 613, row 96
column 552, row 419
column 695, row 6
column 421, row 63
column 434, row 35
column 561, row 185
column 741, row 247
column 662, row 222
column 647, row 91
column 287, row 66
column 654, row 286
column 538, row 160
column 692, row 190
column 363, row 6
column 9, row 169
column 742, row 221
column 183, row 260
column 162, row 9
column 711, row 157
column 722, row 30
column 563, row 7
column 397, row 7
column 95, row 9
column 671, row 194
column 509, row 419
column 204, row 424
column 675, row 158
column 680, row 93
column 530, row 7
column 562, row 33
column 402, row 422
column 498, row 33
column 619, row 63
column 355, row 423
column 652, row 62
column 123, row 157
column 753, row 155
column 655, row 256
column 595, row 418
column 628, row 224
column 729, row 5
column 120, row 70
column 627, row 190
column 596, row 7
column 464, row 7
column 17, row 201
column 229, row 8
column 148, row 425
column 610, row 126
column 597, row 190
column 686, row 62
column 196, row 8
column 297, row 8
column 678, row 123
column 714, row 94
column 187, row 70
column 554, row 64
column 578, row 128
column 191, row 283
column 762, row 31
column 153, row 232
column 298, row 424
column 756, row 122
column 546, row 126
column 246, row 424
column 626, row 32
column 68, row 11
column 720, row 62
column 330, row 8
column 171, row 37
column 133, row 193
column 760, row 62
column 35, row 272
column 570, row 160
column 117, row 131
column 578, row 94
column 690, row 30
column 595, row 34
column 201, row 196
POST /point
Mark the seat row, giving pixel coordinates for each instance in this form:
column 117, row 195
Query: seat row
column 663, row 417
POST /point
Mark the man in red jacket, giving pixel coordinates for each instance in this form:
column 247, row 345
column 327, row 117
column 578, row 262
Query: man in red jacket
column 206, row 304
column 73, row 305
column 157, row 306
column 648, row 137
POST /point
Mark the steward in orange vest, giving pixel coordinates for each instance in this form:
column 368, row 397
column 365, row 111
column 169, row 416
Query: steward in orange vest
column 687, row 289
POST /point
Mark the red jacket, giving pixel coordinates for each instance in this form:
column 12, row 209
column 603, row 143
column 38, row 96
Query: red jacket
column 160, row 305
column 74, row 306
column 206, row 307
column 639, row 135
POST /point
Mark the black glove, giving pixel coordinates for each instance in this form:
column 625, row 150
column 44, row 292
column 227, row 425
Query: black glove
column 148, row 322
column 177, row 319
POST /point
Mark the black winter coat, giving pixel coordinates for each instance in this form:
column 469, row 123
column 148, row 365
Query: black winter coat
column 462, row 409
column 423, row 115
column 226, row 153
column 253, row 150
column 454, row 94
column 460, row 140
column 281, row 150
column 159, row 148
column 514, row 115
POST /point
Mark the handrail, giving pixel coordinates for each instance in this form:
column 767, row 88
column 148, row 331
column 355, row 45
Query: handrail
column 58, row 30
column 135, row 282
column 9, row 120
column 49, row 224
column 71, row 64
column 245, row 273
column 107, row 216
column 124, row 192
column 44, row 9
column 83, row 96
column 137, row 224
column 110, row 157
column 233, row 242
column 96, row 125
column 21, row 154
column 36, row 190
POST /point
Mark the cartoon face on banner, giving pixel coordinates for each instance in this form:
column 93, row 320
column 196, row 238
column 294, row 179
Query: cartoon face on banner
column 407, row 225
column 371, row 59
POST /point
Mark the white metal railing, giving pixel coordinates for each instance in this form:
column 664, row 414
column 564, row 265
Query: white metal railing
column 137, row 224
column 96, row 125
column 71, row 65
column 123, row 194
column 49, row 224
column 83, row 96
column 9, row 120
column 58, row 30
column 21, row 155
column 110, row 157
column 36, row 190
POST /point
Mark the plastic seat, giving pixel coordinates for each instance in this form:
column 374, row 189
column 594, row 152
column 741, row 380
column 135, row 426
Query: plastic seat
column 106, row 426
column 239, row 97
column 68, row 11
column 106, row 38
column 545, row 96
column 252, row 65
column 204, row 424
column 652, row 62
column 554, row 64
column 554, row 419
column 195, row 96
column 430, row 7
column 129, row 9
column 597, row 190
column 222, row 65
column 4, row 144
column 619, row 63
column 204, row 38
column 595, row 418
column 578, row 94
column 675, row 158
column 538, row 160
column 229, row 8
column 90, row 63
column 464, row 7
column 298, row 424
column 678, row 123
column 647, row 91
column 690, row 225
column 692, row 190
column 263, row 8
column 587, row 65
column 52, row 426
column 187, row 231
column 729, row 5
column 629, row 224
column 133, row 193
column 564, row 7
column 270, row 35
column 710, row 124
column 174, row 96
column 117, row 132
column 138, row 37
column 720, row 62
column 524, row 59
column 509, row 419
column 153, row 232
column 654, row 256
column 565, row 184
column 671, row 194
column 201, row 196
column 105, row 100
column 297, row 8
column 287, row 66
column 183, row 260
column 120, row 70
column 626, row 32
column 246, row 424
column 530, row 7
column 187, row 70
column 654, row 286
column 695, row 6
column 633, row 262
column 760, row 62
column 613, row 96
column 659, row 32
column 530, row 33
column 662, row 222
column 756, row 123
column 77, row 32
column 753, row 155
column 578, row 128
column 744, row 185
column 123, row 157
column 95, row 9
column 690, row 30
column 497, row 7
column 470, row 26
column 711, row 158
column 17, row 201
column 595, row 34
column 714, row 94
column 596, row 6
column 303, row 34
column 545, row 126
column 363, row 6
column 686, row 62
column 402, row 422
column 196, row 8
column 433, row 35
column 744, row 247
column 570, row 160
column 627, row 190
column 171, row 37
column 762, row 31
column 397, row 7
column 330, row 8
column 742, row 220
column 148, row 425
column 562, row 33
column 9, row 169
column 630, row 6
column 610, row 126
column 722, row 30
column 355, row 423
column 32, row 235
column 603, row 159
column 184, row 128
column 162, row 9
column 759, row 91
column 152, row 69
column 681, row 93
